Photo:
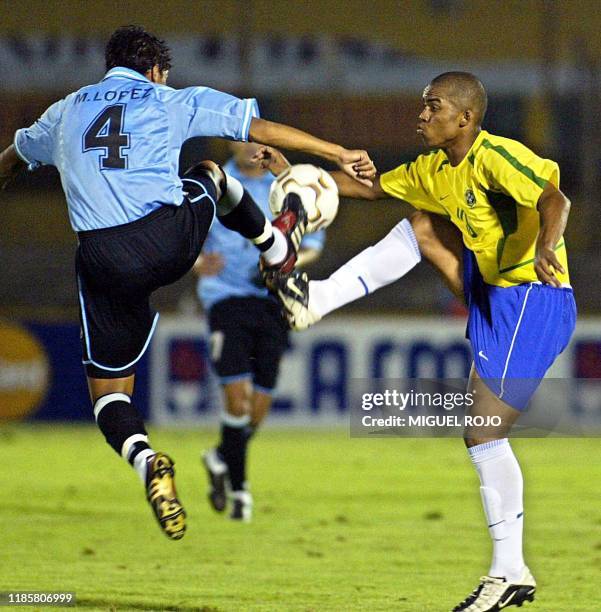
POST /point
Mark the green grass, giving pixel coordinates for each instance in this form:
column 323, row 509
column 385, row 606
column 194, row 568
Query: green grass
column 340, row 524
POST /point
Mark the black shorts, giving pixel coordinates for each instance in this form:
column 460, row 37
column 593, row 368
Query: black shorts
column 119, row 267
column 248, row 339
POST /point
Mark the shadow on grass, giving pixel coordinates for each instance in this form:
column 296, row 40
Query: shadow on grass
column 109, row 604
column 32, row 510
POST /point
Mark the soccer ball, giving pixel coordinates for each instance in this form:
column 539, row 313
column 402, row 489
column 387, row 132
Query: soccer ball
column 316, row 188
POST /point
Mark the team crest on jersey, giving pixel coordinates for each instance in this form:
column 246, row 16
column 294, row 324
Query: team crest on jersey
column 470, row 198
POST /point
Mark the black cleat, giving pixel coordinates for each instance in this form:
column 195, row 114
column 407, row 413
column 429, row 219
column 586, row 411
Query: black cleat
column 161, row 494
column 218, row 476
column 496, row 594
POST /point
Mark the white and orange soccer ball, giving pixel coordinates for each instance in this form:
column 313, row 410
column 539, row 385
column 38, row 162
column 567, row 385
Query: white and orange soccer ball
column 316, row 188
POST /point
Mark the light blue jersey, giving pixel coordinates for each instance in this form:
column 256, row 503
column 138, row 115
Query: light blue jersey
column 116, row 143
column 240, row 275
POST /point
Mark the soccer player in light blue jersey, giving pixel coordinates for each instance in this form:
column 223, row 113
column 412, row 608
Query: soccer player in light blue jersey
column 116, row 145
column 248, row 335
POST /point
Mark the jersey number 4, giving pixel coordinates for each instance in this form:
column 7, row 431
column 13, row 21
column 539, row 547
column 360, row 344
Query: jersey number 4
column 105, row 132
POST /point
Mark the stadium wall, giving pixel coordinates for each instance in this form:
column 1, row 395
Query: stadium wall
column 459, row 29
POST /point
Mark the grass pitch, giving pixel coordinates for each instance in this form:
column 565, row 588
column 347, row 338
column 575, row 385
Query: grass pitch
column 340, row 524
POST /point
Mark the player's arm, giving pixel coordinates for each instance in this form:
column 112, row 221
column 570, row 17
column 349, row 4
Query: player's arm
column 532, row 182
column 554, row 208
column 349, row 188
column 355, row 163
column 403, row 183
column 273, row 160
column 10, row 164
column 32, row 146
column 216, row 113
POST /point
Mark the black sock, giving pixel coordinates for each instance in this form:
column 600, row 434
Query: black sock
column 119, row 420
column 232, row 449
column 249, row 431
column 247, row 219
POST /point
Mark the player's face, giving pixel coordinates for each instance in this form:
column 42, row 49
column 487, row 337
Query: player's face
column 440, row 120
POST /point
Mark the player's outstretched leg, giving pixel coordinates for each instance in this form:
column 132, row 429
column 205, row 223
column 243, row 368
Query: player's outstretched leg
column 306, row 302
column 124, row 431
column 278, row 241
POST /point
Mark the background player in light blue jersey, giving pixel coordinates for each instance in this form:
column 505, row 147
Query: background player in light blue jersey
column 116, row 145
column 248, row 335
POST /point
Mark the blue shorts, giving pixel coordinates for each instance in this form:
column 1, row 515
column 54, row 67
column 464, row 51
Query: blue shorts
column 515, row 332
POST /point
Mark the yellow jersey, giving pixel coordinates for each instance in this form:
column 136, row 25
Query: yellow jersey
column 491, row 196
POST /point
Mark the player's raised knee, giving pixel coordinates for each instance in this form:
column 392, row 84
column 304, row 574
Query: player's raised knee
column 208, row 168
column 423, row 228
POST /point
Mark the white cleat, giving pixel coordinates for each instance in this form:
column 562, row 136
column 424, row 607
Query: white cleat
column 496, row 594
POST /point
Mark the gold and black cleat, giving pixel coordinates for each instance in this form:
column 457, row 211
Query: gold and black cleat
column 162, row 496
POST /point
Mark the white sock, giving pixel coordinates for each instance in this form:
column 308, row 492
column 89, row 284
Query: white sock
column 375, row 267
column 502, row 498
column 140, row 462
column 234, row 421
column 278, row 250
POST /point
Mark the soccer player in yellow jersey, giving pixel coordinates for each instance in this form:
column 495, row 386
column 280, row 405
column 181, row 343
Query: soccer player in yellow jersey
column 491, row 220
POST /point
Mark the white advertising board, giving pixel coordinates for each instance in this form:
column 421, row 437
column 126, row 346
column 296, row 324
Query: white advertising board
column 318, row 370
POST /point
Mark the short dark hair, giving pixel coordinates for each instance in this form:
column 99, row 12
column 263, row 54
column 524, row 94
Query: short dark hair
column 133, row 47
column 466, row 91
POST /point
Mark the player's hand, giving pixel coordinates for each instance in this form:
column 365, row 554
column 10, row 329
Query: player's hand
column 357, row 163
column 271, row 159
column 209, row 264
column 545, row 266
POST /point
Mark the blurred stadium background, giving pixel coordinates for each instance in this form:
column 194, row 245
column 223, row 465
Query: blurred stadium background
column 346, row 71
column 351, row 72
